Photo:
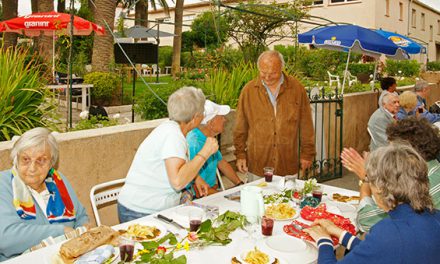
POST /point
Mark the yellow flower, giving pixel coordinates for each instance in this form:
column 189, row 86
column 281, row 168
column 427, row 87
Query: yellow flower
column 186, row 246
column 141, row 252
column 179, row 246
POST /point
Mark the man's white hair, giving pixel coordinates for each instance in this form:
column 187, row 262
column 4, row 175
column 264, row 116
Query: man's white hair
column 271, row 53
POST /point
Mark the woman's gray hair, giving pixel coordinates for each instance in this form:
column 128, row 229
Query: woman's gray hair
column 35, row 138
column 185, row 103
column 271, row 53
column 401, row 176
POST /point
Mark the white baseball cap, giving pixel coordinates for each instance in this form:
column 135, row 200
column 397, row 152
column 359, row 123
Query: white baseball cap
column 212, row 109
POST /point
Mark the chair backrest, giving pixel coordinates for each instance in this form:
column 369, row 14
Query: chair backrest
column 220, row 181
column 371, row 135
column 110, row 192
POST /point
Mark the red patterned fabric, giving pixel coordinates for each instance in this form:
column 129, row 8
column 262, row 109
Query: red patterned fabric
column 320, row 212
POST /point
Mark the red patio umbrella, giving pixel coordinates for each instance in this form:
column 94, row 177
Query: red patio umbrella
column 49, row 22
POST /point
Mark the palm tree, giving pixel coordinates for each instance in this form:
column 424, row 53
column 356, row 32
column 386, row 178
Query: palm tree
column 177, row 41
column 103, row 45
column 45, row 42
column 9, row 11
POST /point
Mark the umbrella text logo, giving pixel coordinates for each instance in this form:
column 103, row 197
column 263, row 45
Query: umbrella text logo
column 332, row 42
column 36, row 24
column 399, row 41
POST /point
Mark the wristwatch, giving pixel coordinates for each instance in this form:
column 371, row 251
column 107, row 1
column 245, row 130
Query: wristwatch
column 361, row 182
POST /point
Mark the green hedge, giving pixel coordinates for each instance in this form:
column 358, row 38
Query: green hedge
column 433, row 66
column 407, row 68
column 105, row 85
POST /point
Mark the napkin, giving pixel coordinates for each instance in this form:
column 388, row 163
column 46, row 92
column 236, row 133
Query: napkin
column 96, row 256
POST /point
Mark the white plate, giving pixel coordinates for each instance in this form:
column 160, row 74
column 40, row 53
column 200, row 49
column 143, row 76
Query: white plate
column 297, row 212
column 352, row 202
column 287, row 244
column 163, row 229
column 345, row 208
column 111, row 259
column 242, row 256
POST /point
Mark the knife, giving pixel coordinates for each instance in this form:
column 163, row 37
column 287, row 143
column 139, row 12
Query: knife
column 169, row 221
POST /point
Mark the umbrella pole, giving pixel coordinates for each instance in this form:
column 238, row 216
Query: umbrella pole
column 345, row 72
column 53, row 57
column 70, row 62
column 374, row 75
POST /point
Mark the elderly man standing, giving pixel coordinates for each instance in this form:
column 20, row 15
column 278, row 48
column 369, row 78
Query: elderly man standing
column 273, row 113
column 381, row 118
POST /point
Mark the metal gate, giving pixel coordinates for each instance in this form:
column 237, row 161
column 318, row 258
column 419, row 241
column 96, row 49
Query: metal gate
column 327, row 114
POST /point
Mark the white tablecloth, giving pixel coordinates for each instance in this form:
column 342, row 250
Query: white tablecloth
column 213, row 254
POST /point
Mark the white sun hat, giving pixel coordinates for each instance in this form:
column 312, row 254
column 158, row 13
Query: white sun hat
column 212, row 109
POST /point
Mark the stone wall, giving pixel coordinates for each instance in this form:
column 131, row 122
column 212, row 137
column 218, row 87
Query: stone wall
column 94, row 156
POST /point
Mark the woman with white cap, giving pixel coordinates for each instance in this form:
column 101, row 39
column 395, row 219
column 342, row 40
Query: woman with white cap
column 212, row 125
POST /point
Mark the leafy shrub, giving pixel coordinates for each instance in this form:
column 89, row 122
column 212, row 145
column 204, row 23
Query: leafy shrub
column 24, row 102
column 407, row 68
column 94, row 122
column 226, row 84
column 165, row 56
column 149, row 107
column 106, row 86
column 356, row 68
column 433, row 66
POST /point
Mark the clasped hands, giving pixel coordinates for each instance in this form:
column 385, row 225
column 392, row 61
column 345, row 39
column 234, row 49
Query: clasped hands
column 323, row 228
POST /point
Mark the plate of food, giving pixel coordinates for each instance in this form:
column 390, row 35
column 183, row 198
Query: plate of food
column 254, row 256
column 281, row 211
column 145, row 231
column 343, row 198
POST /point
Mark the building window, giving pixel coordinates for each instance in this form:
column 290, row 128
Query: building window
column 413, row 18
column 422, row 22
column 431, row 33
column 188, row 17
column 400, row 11
column 438, row 27
column 312, row 2
column 387, row 8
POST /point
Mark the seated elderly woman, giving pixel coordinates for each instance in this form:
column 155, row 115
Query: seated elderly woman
column 408, row 103
column 424, row 138
column 212, row 125
column 36, row 201
column 398, row 177
column 160, row 169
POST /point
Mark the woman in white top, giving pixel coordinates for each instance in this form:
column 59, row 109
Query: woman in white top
column 160, row 168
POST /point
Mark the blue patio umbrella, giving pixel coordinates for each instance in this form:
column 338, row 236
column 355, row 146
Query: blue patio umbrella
column 403, row 42
column 351, row 38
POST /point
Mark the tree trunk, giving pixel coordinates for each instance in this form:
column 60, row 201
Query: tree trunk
column 9, row 11
column 61, row 6
column 34, row 6
column 177, row 41
column 103, row 45
column 45, row 42
column 141, row 13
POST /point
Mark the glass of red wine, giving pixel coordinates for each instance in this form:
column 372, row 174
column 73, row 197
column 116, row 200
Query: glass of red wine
column 317, row 192
column 126, row 248
column 195, row 220
column 268, row 174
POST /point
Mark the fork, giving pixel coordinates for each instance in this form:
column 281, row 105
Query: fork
column 298, row 227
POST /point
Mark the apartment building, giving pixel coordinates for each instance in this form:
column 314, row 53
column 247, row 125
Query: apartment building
column 408, row 17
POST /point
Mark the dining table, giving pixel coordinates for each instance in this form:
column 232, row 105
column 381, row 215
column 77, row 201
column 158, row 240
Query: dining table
column 85, row 92
column 287, row 249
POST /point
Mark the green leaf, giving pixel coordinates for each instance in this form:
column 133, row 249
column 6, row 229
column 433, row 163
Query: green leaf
column 150, row 245
column 205, row 226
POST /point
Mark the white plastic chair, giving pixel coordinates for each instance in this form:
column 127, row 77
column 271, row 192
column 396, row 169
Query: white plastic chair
column 155, row 69
column 220, row 181
column 333, row 79
column 110, row 192
column 146, row 69
column 371, row 135
column 350, row 78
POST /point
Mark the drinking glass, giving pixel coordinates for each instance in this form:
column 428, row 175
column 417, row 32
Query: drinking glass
column 290, row 181
column 195, row 220
column 268, row 174
column 126, row 248
column 252, row 226
column 267, row 226
column 317, row 192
